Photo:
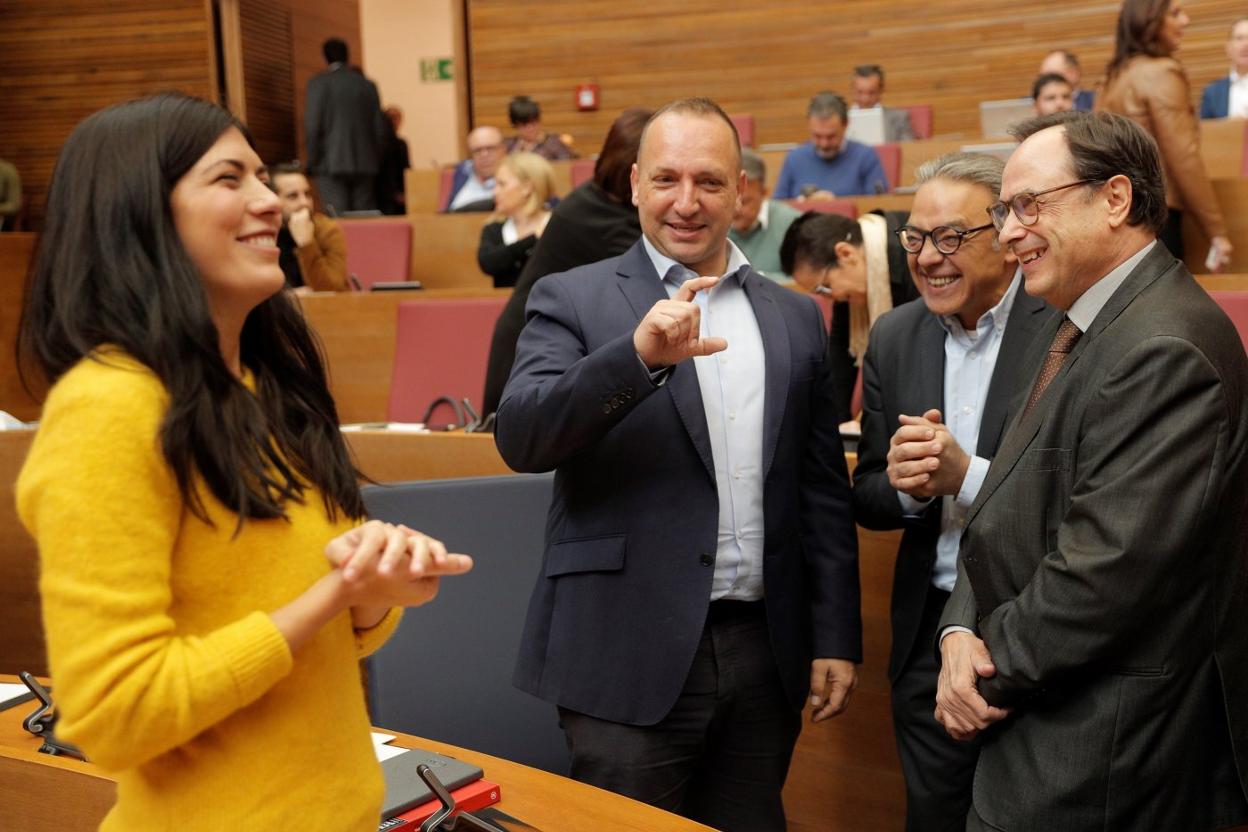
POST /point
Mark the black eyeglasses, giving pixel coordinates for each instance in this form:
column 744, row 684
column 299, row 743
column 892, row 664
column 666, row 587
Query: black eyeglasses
column 946, row 238
column 1026, row 206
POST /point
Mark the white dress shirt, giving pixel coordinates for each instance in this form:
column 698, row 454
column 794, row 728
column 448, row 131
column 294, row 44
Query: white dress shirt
column 1237, row 101
column 732, row 383
column 970, row 358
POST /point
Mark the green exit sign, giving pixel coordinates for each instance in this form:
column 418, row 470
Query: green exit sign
column 437, row 69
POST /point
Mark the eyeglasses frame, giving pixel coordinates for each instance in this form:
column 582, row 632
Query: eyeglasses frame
column 1035, row 197
column 961, row 236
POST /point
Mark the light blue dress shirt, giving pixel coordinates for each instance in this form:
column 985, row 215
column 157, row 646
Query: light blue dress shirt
column 732, row 383
column 970, row 358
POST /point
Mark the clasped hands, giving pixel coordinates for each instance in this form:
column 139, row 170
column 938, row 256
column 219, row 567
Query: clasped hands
column 924, row 460
column 670, row 331
column 387, row 565
column 960, row 708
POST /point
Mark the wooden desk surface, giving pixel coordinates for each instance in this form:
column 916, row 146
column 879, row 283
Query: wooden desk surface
column 42, row 793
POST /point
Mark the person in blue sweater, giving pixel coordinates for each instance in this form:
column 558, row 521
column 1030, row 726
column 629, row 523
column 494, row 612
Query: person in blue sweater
column 830, row 165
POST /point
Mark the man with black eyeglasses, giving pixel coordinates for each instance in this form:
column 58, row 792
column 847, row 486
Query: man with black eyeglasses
column 940, row 380
column 1095, row 639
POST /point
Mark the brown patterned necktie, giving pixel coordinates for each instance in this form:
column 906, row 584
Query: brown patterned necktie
column 1063, row 342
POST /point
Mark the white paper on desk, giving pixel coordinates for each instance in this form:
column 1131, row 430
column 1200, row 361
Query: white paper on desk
column 9, row 692
column 382, row 750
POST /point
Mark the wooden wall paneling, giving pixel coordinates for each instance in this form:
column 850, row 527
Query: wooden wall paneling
column 268, row 78
column 767, row 59
column 65, row 60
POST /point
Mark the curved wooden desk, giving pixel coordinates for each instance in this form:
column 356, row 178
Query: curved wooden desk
column 42, row 793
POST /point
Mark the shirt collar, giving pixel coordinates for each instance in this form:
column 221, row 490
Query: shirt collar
column 1236, row 77
column 671, row 271
column 1084, row 310
column 994, row 318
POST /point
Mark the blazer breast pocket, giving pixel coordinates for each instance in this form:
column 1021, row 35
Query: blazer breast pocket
column 1046, row 459
column 586, row 554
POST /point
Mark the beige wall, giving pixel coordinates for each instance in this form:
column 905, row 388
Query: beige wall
column 396, row 35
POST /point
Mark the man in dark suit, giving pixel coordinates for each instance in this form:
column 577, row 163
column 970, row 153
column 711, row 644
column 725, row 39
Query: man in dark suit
column 1228, row 95
column 700, row 578
column 1095, row 634
column 959, row 357
column 344, row 133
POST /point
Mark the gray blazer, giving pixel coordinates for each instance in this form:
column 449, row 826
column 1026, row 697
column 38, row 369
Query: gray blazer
column 904, row 372
column 897, row 127
column 344, row 128
column 1104, row 564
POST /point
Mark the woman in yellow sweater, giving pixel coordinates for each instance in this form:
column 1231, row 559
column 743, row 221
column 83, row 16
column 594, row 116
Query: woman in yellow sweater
column 207, row 584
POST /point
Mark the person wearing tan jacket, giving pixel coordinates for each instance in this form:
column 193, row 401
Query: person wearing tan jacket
column 314, row 249
column 1145, row 83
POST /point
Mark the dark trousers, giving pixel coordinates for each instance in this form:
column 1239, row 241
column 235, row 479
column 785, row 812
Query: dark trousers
column 938, row 769
column 347, row 192
column 721, row 755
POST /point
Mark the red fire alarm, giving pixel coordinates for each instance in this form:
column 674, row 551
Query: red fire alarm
column 587, row 97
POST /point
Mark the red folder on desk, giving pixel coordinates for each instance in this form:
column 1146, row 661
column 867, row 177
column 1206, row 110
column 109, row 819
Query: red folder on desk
column 476, row 795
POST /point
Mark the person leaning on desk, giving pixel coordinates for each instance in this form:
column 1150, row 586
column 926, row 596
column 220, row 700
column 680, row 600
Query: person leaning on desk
column 207, row 585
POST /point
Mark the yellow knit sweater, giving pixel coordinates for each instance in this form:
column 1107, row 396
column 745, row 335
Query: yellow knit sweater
column 168, row 671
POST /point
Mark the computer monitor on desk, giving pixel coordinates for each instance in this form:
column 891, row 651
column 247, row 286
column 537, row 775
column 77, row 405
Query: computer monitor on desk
column 996, row 117
column 866, row 126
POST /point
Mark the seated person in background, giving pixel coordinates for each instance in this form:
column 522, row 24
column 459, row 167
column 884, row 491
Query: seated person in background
column 868, row 89
column 313, row 247
column 523, row 184
column 1061, row 62
column 526, row 116
column 10, row 194
column 595, row 221
column 759, row 224
column 862, row 267
column 1052, row 93
column 1228, row 96
column 472, row 188
column 395, row 160
column 208, row 580
column 830, row 165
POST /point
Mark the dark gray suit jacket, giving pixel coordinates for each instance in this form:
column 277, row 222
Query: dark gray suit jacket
column 344, row 128
column 620, row 604
column 904, row 372
column 1104, row 565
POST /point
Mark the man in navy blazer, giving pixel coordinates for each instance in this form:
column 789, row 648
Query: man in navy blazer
column 1216, row 101
column 700, row 578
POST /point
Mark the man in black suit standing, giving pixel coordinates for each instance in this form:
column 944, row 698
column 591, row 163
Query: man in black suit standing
column 700, row 578
column 344, row 133
column 1096, row 633
column 959, row 357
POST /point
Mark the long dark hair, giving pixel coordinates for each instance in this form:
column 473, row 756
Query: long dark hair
column 1139, row 24
column 619, row 152
column 110, row 269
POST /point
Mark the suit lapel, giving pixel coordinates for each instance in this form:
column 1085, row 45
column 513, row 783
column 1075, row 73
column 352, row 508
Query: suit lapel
column 1157, row 262
column 928, row 388
column 642, row 288
column 1024, row 320
column 777, row 355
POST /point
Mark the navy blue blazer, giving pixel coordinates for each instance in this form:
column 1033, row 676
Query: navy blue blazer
column 1215, row 101
column 619, row 606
